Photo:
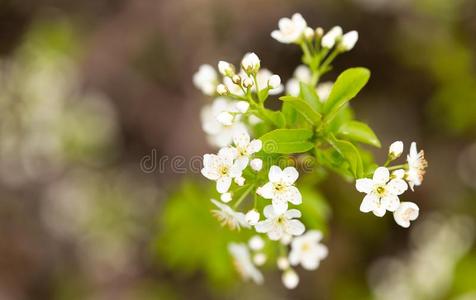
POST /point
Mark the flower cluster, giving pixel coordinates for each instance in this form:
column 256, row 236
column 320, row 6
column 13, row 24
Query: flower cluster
column 255, row 180
column 384, row 189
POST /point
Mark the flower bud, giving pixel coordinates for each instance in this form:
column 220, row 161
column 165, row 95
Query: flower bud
column 252, row 217
column 406, row 212
column 221, row 89
column 247, row 83
column 349, row 40
column 283, row 263
column 329, row 39
column 395, row 150
column 225, row 68
column 240, row 181
column 308, row 33
column 225, row 197
column 259, row 259
column 319, row 32
column 290, row 279
column 274, row 81
column 236, row 79
column 256, row 164
column 250, row 63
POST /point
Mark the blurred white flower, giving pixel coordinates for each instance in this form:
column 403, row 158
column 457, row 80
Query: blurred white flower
column 228, row 217
column 280, row 188
column 259, row 259
column 323, row 90
column 274, row 81
column 266, row 78
column 206, row 79
column 406, row 212
column 282, row 263
column 330, row 38
column 382, row 194
column 221, row 168
column 307, row 251
column 220, row 134
column 222, row 90
column 277, row 225
column 290, row 30
column 416, row 166
column 256, row 243
column 395, row 149
column 349, row 40
column 308, row 33
column 290, row 279
column 243, row 263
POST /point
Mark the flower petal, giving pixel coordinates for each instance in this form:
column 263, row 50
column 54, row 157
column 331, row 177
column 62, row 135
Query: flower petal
column 266, row 191
column 269, row 212
column 390, row 202
column 381, row 175
column 223, row 184
column 295, row 227
column 275, row 174
column 280, row 205
column 379, row 211
column 397, row 186
column 293, row 195
column 293, row 213
column 364, row 185
column 369, row 203
column 290, row 175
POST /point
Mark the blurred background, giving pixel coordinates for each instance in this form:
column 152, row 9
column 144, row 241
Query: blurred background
column 93, row 93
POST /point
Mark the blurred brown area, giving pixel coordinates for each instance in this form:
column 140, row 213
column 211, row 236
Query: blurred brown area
column 141, row 54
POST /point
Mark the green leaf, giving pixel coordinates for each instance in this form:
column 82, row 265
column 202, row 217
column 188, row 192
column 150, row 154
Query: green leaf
column 346, row 87
column 303, row 107
column 287, row 141
column 315, row 209
column 308, row 93
column 276, row 117
column 350, row 153
column 359, row 132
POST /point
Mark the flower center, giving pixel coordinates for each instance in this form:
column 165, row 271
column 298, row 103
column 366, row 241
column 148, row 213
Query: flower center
column 380, row 190
column 223, row 170
column 305, row 247
column 279, row 187
column 281, row 220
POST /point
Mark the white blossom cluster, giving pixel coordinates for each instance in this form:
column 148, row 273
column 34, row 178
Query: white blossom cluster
column 383, row 190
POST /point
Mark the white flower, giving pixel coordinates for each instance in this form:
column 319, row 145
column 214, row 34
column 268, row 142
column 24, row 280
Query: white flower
column 266, row 78
column 225, row 118
column 228, row 217
column 259, row 259
column 256, row 164
column 395, row 149
column 280, row 188
column 225, row 197
column 290, row 279
column 307, row 251
column 221, row 168
column 220, row 134
column 283, row 263
column 274, row 81
column 243, row 263
column 323, row 90
column 301, row 74
column 240, row 180
column 382, row 194
column 250, row 63
column 406, row 212
column 290, row 30
column 416, row 166
column 277, row 225
column 225, row 68
column 244, row 147
column 330, row 38
column 349, row 40
column 256, row 243
column 206, row 79
column 252, row 217
column 242, row 106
